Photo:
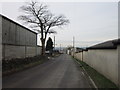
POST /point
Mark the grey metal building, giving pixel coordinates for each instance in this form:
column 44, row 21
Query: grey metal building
column 17, row 40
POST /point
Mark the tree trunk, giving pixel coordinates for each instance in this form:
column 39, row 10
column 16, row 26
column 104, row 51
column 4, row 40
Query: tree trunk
column 43, row 46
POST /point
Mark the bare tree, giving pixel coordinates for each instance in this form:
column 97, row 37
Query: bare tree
column 41, row 19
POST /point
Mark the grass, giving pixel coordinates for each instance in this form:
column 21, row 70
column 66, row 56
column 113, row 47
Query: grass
column 100, row 80
column 15, row 65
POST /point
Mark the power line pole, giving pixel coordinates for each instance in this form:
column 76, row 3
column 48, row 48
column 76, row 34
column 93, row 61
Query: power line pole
column 73, row 45
column 60, row 47
column 54, row 42
column 73, row 41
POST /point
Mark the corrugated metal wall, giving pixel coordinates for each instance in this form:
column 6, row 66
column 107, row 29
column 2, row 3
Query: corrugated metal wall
column 18, row 41
column 17, row 35
column 0, row 51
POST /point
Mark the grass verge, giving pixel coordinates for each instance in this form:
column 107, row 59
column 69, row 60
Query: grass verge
column 100, row 80
column 15, row 65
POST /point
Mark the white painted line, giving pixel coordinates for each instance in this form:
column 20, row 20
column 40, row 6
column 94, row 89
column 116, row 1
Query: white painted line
column 83, row 73
column 88, row 76
column 93, row 82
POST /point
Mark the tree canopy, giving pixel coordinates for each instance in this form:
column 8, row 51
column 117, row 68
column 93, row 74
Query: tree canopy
column 49, row 45
column 41, row 20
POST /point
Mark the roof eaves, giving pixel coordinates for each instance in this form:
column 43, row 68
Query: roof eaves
column 18, row 24
column 105, row 45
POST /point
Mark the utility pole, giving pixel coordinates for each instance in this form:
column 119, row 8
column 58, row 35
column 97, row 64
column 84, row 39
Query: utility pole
column 54, row 42
column 73, row 41
column 73, row 45
column 60, row 47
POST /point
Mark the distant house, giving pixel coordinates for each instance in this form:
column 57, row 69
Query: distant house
column 77, row 50
column 17, row 40
column 72, row 51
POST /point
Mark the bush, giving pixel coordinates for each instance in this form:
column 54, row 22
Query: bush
column 21, row 62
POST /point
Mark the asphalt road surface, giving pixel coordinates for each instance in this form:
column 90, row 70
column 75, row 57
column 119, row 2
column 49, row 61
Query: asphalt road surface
column 60, row 72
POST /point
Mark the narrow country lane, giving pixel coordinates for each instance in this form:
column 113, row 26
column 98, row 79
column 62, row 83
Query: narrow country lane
column 61, row 72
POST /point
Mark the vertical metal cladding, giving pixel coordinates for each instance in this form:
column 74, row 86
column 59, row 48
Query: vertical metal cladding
column 16, row 34
column 0, row 52
column 17, row 40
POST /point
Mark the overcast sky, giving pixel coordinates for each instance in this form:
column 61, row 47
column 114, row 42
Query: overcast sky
column 90, row 22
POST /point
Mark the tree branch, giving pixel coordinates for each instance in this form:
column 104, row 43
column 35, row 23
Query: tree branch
column 39, row 15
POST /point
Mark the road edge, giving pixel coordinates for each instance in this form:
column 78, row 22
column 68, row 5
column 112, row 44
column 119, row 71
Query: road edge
column 85, row 73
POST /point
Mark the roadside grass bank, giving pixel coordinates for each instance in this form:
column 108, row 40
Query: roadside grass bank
column 15, row 65
column 19, row 64
column 100, row 80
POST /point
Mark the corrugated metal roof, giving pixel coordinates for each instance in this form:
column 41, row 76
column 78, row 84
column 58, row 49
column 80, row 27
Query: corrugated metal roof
column 112, row 44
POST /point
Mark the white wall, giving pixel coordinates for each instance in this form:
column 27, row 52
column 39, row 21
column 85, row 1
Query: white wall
column 105, row 61
column 39, row 50
column 119, row 65
column 78, row 56
column 31, row 51
column 12, row 51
